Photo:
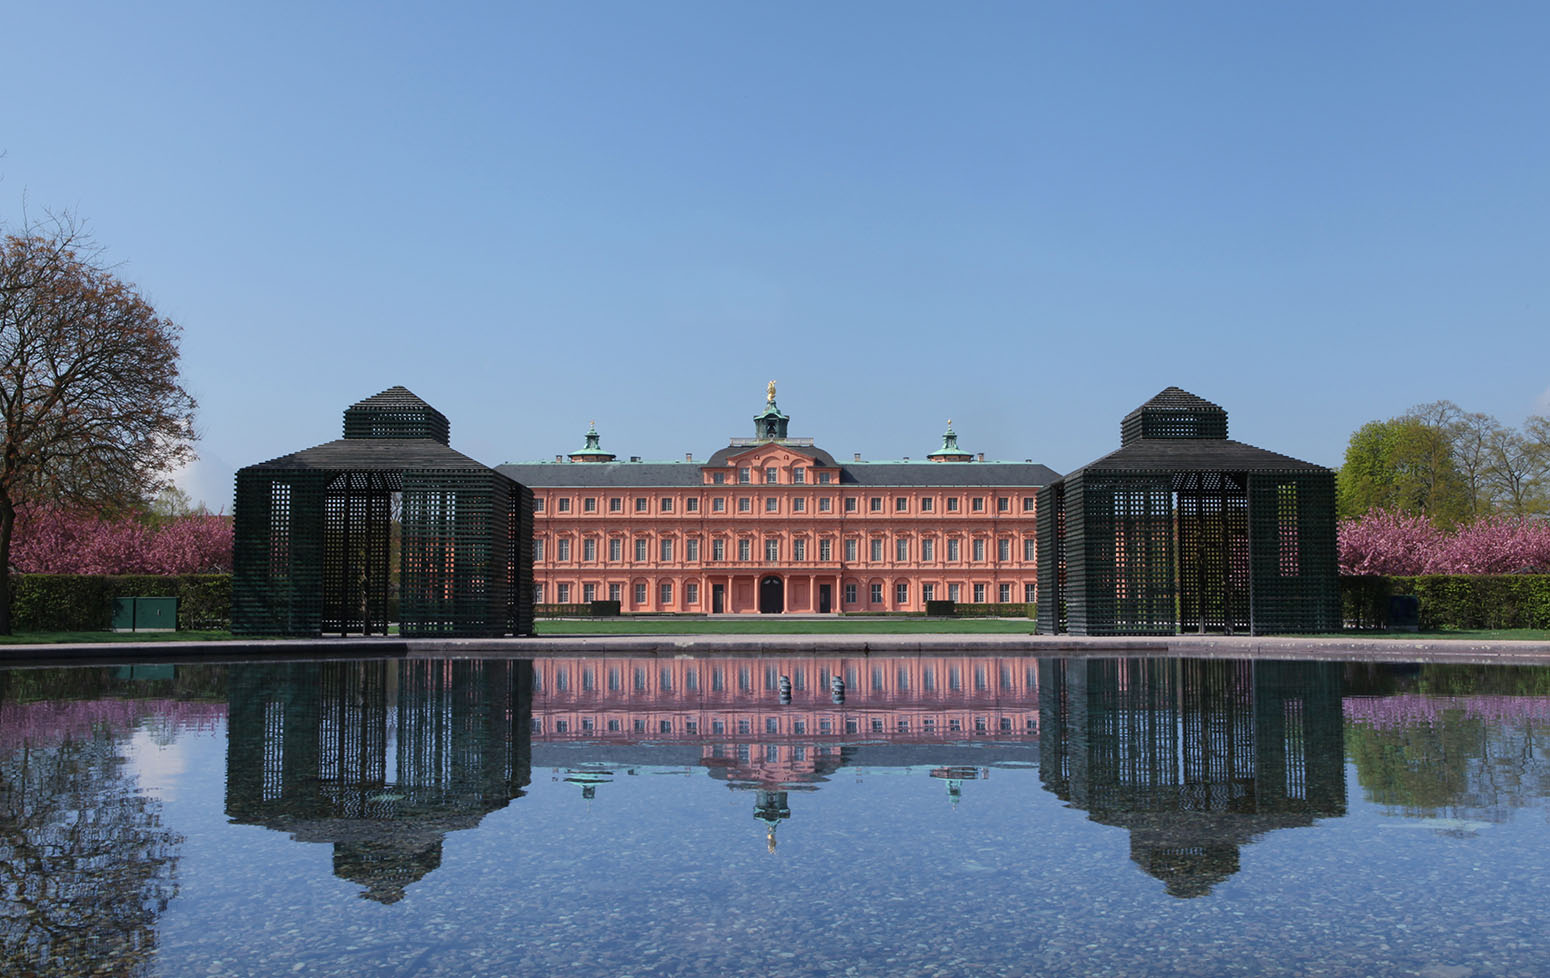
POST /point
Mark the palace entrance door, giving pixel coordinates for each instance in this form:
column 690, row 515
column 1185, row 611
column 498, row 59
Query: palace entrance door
column 772, row 596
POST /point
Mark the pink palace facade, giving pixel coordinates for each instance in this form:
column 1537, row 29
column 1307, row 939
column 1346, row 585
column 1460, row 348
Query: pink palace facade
column 775, row 524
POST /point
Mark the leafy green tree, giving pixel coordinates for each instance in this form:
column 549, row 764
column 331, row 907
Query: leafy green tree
column 1403, row 465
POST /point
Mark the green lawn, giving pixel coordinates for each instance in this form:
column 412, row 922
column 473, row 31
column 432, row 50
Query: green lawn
column 1462, row 634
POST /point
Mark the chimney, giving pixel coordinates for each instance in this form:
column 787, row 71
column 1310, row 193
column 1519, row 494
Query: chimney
column 559, row 458
column 906, row 458
column 634, row 458
column 982, row 456
column 688, row 456
column 858, row 456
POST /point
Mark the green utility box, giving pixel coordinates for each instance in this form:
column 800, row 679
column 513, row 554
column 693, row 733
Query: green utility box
column 145, row 614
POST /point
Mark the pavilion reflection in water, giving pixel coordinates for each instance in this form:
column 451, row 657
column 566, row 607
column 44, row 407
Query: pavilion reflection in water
column 380, row 759
column 777, row 724
column 1196, row 757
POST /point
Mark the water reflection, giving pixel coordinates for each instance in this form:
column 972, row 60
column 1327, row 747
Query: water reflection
column 1195, row 757
column 378, row 759
column 87, row 866
column 775, row 725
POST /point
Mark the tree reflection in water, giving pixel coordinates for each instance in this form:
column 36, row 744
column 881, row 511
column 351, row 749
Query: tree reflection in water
column 88, row 867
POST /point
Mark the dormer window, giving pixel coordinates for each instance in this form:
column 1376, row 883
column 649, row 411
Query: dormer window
column 798, row 475
column 744, row 475
column 718, row 478
column 771, row 476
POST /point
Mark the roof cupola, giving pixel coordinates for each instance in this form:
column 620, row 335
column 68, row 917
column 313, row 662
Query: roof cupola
column 950, row 452
column 593, row 451
column 770, row 424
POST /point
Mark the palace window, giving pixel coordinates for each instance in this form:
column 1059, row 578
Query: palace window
column 799, row 505
column 771, row 476
column 589, row 549
column 589, row 592
column 615, row 504
column 640, row 504
column 691, row 505
column 745, row 505
column 665, row 548
column 589, row 504
column 1003, row 504
column 850, row 504
column 850, row 549
column 640, row 595
column 901, row 504
column 1029, row 553
column 744, row 550
column 538, row 504
column 798, row 475
column 614, row 591
column 562, row 549
column 901, row 549
column 771, row 504
column 691, row 593
column 877, row 594
column 825, row 504
column 640, row 549
column 744, row 475
column 979, row 594
column 1028, row 504
column 1030, row 593
column 875, row 504
column 1003, row 549
column 538, row 550
column 952, row 504
column 666, row 592
column 901, row 595
column 979, row 549
column 953, row 591
column 799, row 550
column 978, row 504
column 562, row 592
column 928, row 593
column 772, row 550
column 718, row 505
column 665, row 505
column 825, row 550
column 928, row 549
column 564, row 504
column 952, row 549
column 538, row 594
column 877, row 548
column 691, row 550
column 718, row 550
column 615, row 549
column 718, row 478
column 850, row 594
column 1005, row 593
column 823, row 478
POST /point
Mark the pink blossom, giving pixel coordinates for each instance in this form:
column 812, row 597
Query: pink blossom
column 57, row 541
column 1397, row 544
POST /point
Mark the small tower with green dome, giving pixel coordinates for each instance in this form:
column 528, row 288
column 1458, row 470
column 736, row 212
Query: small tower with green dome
column 593, row 451
column 770, row 424
column 949, row 452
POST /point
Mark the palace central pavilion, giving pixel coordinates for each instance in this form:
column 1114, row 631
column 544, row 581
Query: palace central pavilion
column 775, row 524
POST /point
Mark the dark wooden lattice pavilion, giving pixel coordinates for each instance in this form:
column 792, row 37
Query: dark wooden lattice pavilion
column 313, row 549
column 1184, row 530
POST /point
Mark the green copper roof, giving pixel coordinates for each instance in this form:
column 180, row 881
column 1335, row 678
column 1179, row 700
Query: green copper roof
column 593, row 447
column 949, row 447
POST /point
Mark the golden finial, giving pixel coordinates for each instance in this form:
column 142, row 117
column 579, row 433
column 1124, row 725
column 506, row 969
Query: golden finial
column 769, row 393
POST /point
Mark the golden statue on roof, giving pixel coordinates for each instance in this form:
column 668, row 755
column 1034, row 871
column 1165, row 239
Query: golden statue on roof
column 769, row 393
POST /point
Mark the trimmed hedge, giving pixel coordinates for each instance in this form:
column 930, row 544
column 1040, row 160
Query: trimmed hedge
column 1012, row 609
column 84, row 602
column 1451, row 600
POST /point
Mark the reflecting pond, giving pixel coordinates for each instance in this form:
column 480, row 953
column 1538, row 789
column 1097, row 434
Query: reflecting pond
column 823, row 815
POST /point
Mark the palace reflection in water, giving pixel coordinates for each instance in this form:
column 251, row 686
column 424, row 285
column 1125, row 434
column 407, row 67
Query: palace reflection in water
column 379, row 759
column 382, row 759
column 1196, row 757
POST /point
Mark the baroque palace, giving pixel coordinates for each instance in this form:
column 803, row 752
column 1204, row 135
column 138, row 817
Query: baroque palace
column 775, row 524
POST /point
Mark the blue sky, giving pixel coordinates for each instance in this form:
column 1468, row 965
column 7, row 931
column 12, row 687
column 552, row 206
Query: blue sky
column 1026, row 217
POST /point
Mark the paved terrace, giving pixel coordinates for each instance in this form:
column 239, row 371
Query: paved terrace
column 1354, row 648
